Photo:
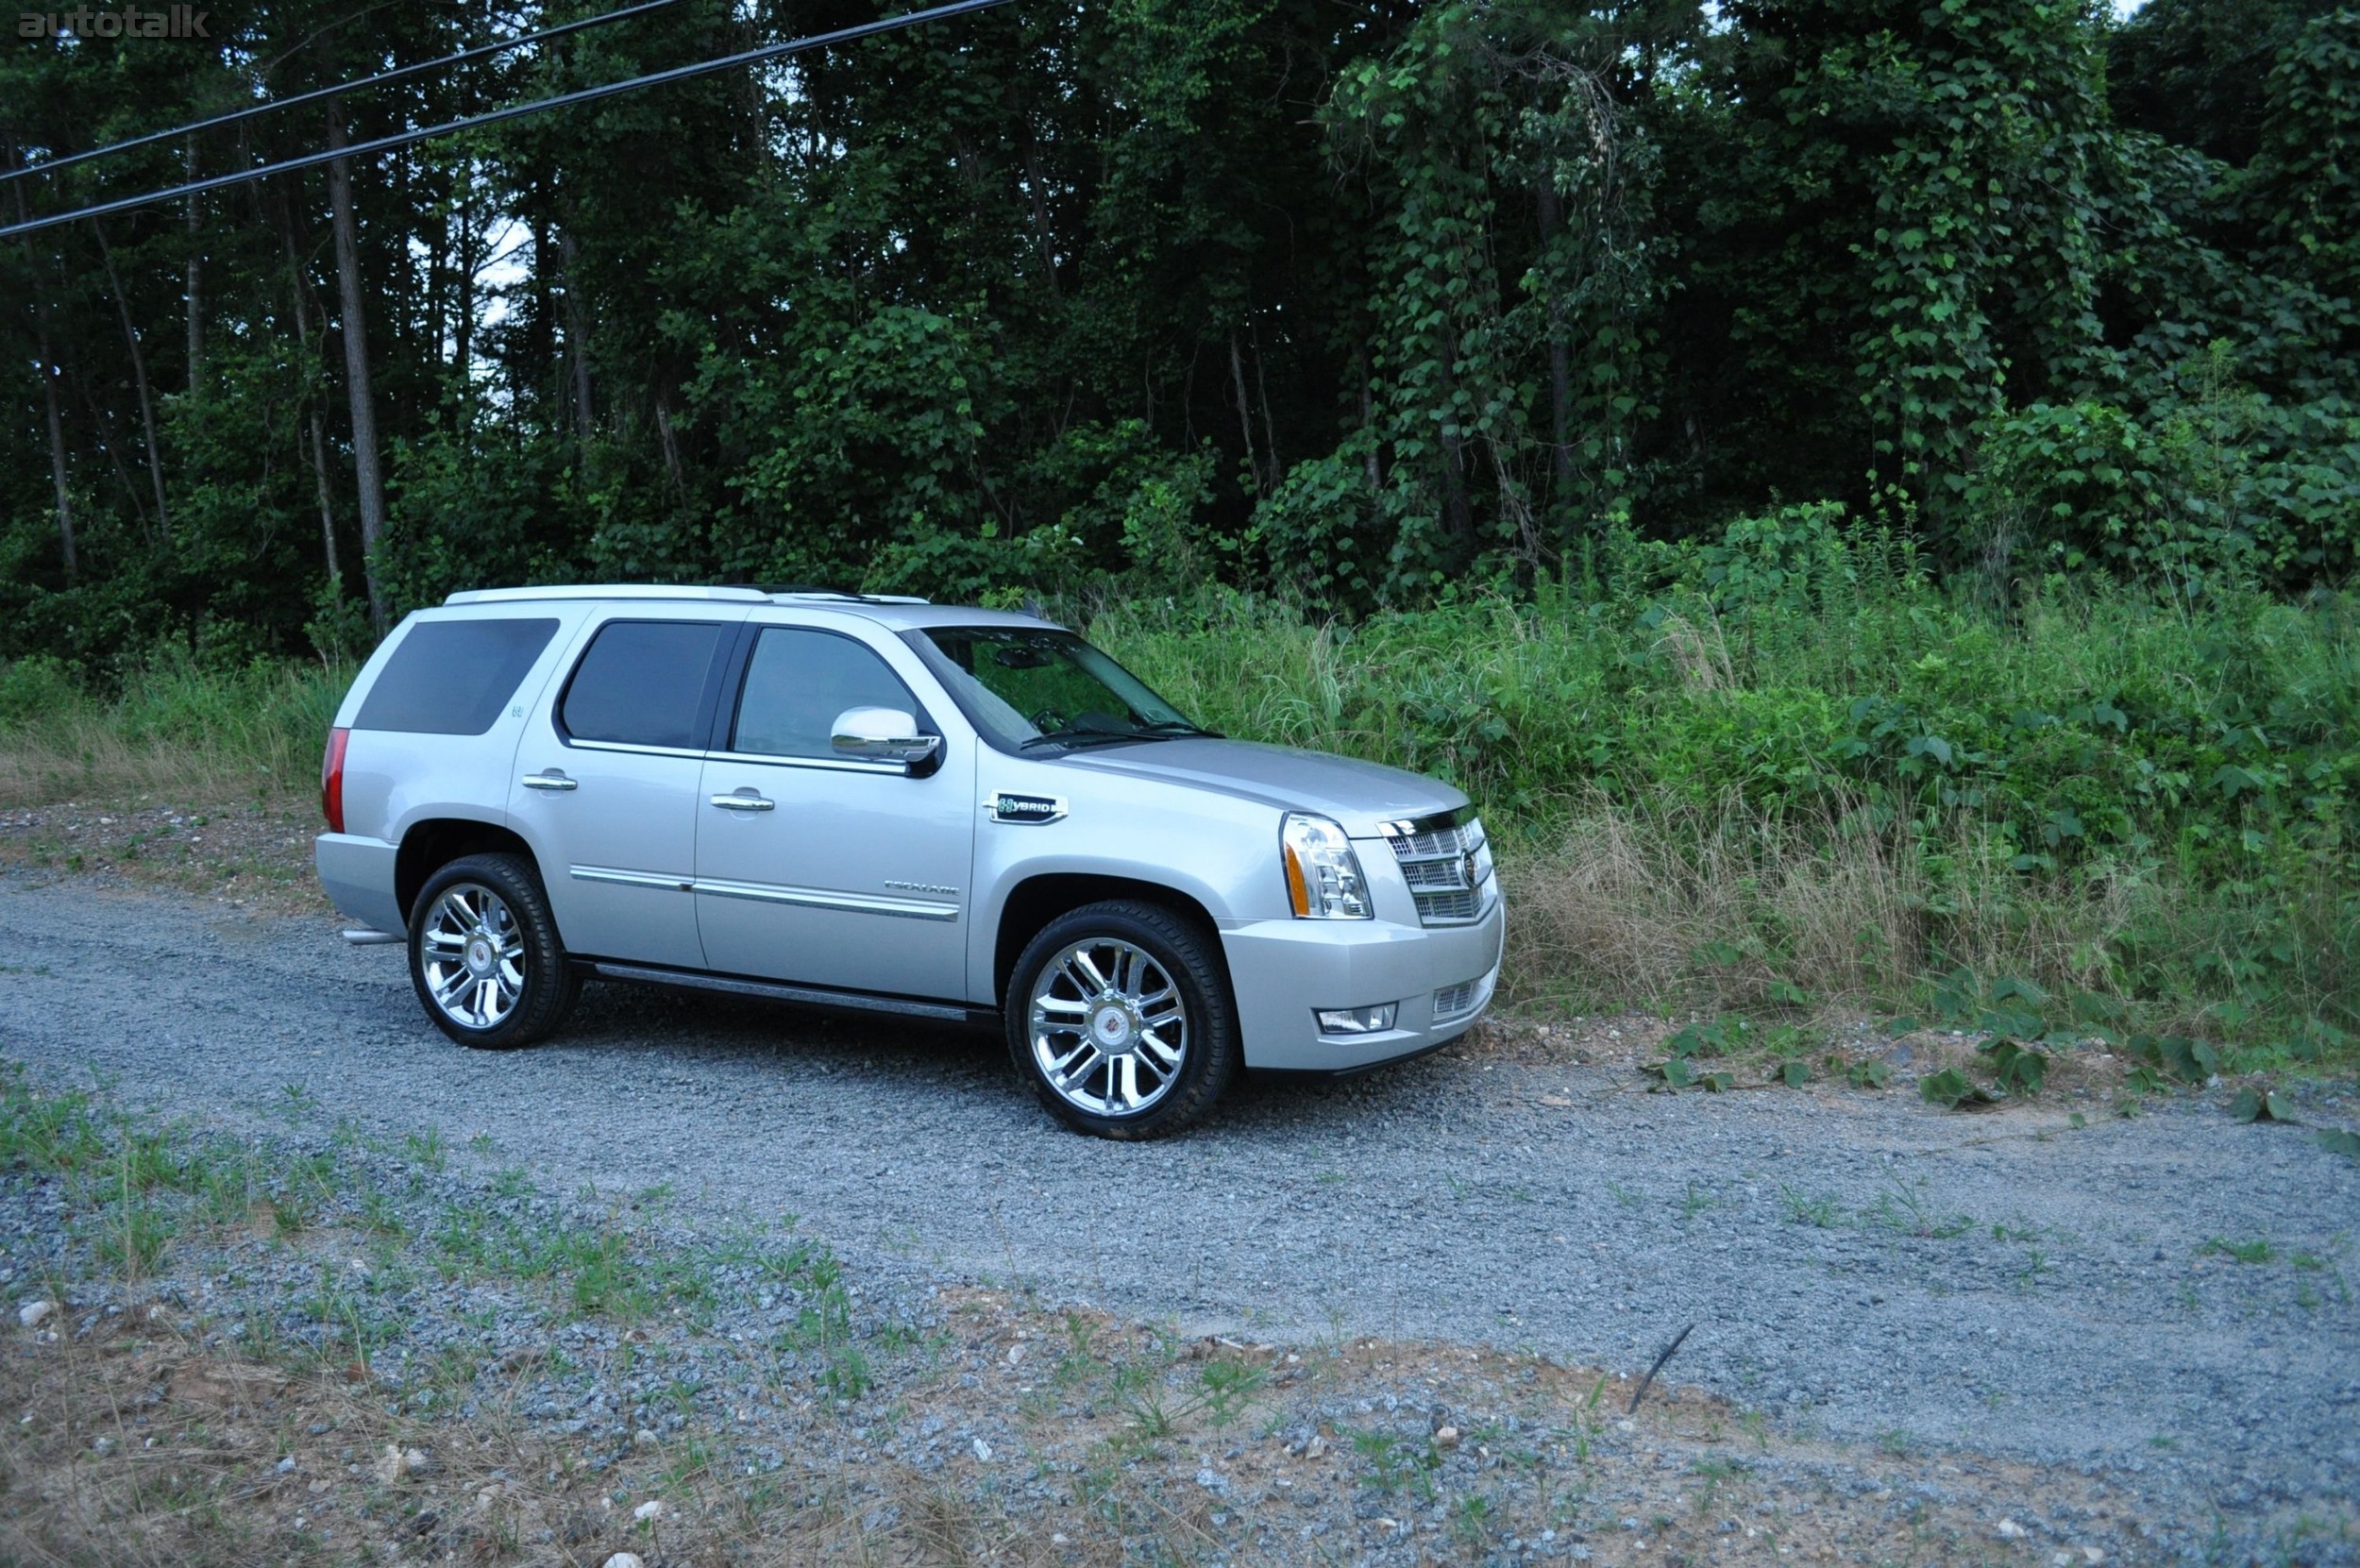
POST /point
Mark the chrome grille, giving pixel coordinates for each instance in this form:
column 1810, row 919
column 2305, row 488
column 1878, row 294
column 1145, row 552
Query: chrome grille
column 1448, row 870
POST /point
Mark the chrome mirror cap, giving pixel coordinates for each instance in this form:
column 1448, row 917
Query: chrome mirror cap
column 882, row 735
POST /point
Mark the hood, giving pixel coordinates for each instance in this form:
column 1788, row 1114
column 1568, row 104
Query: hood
column 1357, row 793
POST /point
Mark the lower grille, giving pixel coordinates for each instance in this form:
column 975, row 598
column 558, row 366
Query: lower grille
column 1465, row 1000
column 1449, row 867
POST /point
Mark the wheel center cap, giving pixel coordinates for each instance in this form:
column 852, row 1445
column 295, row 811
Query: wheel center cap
column 480, row 955
column 1110, row 1026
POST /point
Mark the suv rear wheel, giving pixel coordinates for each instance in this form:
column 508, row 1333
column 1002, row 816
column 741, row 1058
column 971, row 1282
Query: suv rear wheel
column 1120, row 1015
column 484, row 955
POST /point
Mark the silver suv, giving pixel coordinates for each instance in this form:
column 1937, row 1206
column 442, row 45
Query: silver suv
column 897, row 807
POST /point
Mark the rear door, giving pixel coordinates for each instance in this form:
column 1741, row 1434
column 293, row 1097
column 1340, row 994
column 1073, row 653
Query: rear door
column 821, row 868
column 606, row 784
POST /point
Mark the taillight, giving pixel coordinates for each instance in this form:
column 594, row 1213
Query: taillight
column 332, row 781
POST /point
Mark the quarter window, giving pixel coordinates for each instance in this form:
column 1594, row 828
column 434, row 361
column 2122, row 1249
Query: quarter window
column 643, row 684
column 798, row 682
column 453, row 677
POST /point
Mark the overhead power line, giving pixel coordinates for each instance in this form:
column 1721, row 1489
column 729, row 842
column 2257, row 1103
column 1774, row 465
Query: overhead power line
column 514, row 111
column 402, row 74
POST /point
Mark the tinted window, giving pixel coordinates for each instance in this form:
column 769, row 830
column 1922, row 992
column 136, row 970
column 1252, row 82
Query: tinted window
column 642, row 684
column 453, row 677
column 797, row 682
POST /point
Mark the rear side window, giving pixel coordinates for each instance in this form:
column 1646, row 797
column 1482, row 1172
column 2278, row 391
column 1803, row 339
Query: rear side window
column 798, row 682
column 642, row 684
column 453, row 677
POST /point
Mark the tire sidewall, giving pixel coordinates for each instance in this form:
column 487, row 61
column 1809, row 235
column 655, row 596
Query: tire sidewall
column 545, row 990
column 1191, row 958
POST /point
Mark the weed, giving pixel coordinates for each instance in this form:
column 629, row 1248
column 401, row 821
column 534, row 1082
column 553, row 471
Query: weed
column 1227, row 1386
column 1901, row 1210
column 2257, row 1251
column 1820, row 1211
column 1471, row 1522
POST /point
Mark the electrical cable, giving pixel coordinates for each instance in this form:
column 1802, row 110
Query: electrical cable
column 514, row 111
column 401, row 73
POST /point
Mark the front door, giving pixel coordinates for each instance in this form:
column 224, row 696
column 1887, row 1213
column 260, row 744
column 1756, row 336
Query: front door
column 606, row 788
column 823, row 870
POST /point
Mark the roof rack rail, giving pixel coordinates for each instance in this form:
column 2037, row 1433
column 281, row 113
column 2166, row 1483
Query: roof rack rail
column 607, row 590
column 807, row 590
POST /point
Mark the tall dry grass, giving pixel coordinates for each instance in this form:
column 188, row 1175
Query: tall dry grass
column 1671, row 904
column 175, row 732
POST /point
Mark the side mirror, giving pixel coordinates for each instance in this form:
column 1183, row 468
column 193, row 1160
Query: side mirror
column 882, row 735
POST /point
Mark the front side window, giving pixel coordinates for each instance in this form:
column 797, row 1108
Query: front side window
column 642, row 684
column 1034, row 690
column 797, row 685
column 453, row 677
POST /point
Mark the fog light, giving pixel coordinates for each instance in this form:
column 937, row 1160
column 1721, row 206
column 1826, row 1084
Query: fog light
column 1357, row 1020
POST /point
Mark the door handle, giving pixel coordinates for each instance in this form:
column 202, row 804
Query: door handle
column 748, row 801
column 554, row 779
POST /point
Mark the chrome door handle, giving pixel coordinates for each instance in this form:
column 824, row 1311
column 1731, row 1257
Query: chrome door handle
column 550, row 780
column 743, row 802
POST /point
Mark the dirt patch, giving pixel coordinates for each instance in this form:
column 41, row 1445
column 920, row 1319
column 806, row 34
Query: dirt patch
column 1072, row 1437
column 256, row 857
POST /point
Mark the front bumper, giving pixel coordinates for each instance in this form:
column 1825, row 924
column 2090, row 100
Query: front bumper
column 1284, row 971
column 356, row 873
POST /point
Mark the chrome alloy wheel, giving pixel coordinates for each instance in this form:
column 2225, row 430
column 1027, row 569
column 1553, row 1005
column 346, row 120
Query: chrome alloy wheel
column 1109, row 1030
column 473, row 953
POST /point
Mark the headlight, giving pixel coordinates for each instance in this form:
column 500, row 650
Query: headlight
column 1323, row 881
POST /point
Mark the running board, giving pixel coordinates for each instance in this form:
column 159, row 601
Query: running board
column 361, row 936
column 810, row 996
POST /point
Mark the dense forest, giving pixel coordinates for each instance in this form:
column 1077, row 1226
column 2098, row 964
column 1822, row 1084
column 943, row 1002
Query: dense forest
column 1367, row 303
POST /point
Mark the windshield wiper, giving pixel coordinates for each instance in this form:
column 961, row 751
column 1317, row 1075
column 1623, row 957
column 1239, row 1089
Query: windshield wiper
column 1180, row 729
column 1087, row 737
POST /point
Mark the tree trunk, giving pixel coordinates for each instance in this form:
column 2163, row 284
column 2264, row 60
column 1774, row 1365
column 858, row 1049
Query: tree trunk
column 104, row 425
column 369, row 478
column 577, row 342
column 327, row 510
column 49, row 400
column 1269, row 431
column 462, row 310
column 1560, row 360
column 56, row 447
column 139, row 380
column 1246, row 410
column 196, row 278
column 671, row 448
column 1457, row 511
column 317, row 452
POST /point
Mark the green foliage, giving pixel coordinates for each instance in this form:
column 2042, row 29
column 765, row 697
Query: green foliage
column 1951, row 1088
column 2259, row 1104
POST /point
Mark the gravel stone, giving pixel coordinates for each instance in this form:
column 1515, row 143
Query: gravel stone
column 2003, row 1284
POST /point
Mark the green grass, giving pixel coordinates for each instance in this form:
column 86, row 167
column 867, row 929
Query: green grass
column 1715, row 791
column 175, row 729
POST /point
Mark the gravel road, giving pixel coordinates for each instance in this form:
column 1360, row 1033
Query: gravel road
column 1855, row 1264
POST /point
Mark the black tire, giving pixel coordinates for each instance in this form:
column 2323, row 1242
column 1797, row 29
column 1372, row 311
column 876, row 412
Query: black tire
column 548, row 980
column 1189, row 957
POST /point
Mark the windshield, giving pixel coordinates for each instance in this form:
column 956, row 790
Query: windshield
column 1031, row 691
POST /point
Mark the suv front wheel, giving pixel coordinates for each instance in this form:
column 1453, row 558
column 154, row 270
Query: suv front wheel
column 484, row 955
column 1120, row 1015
